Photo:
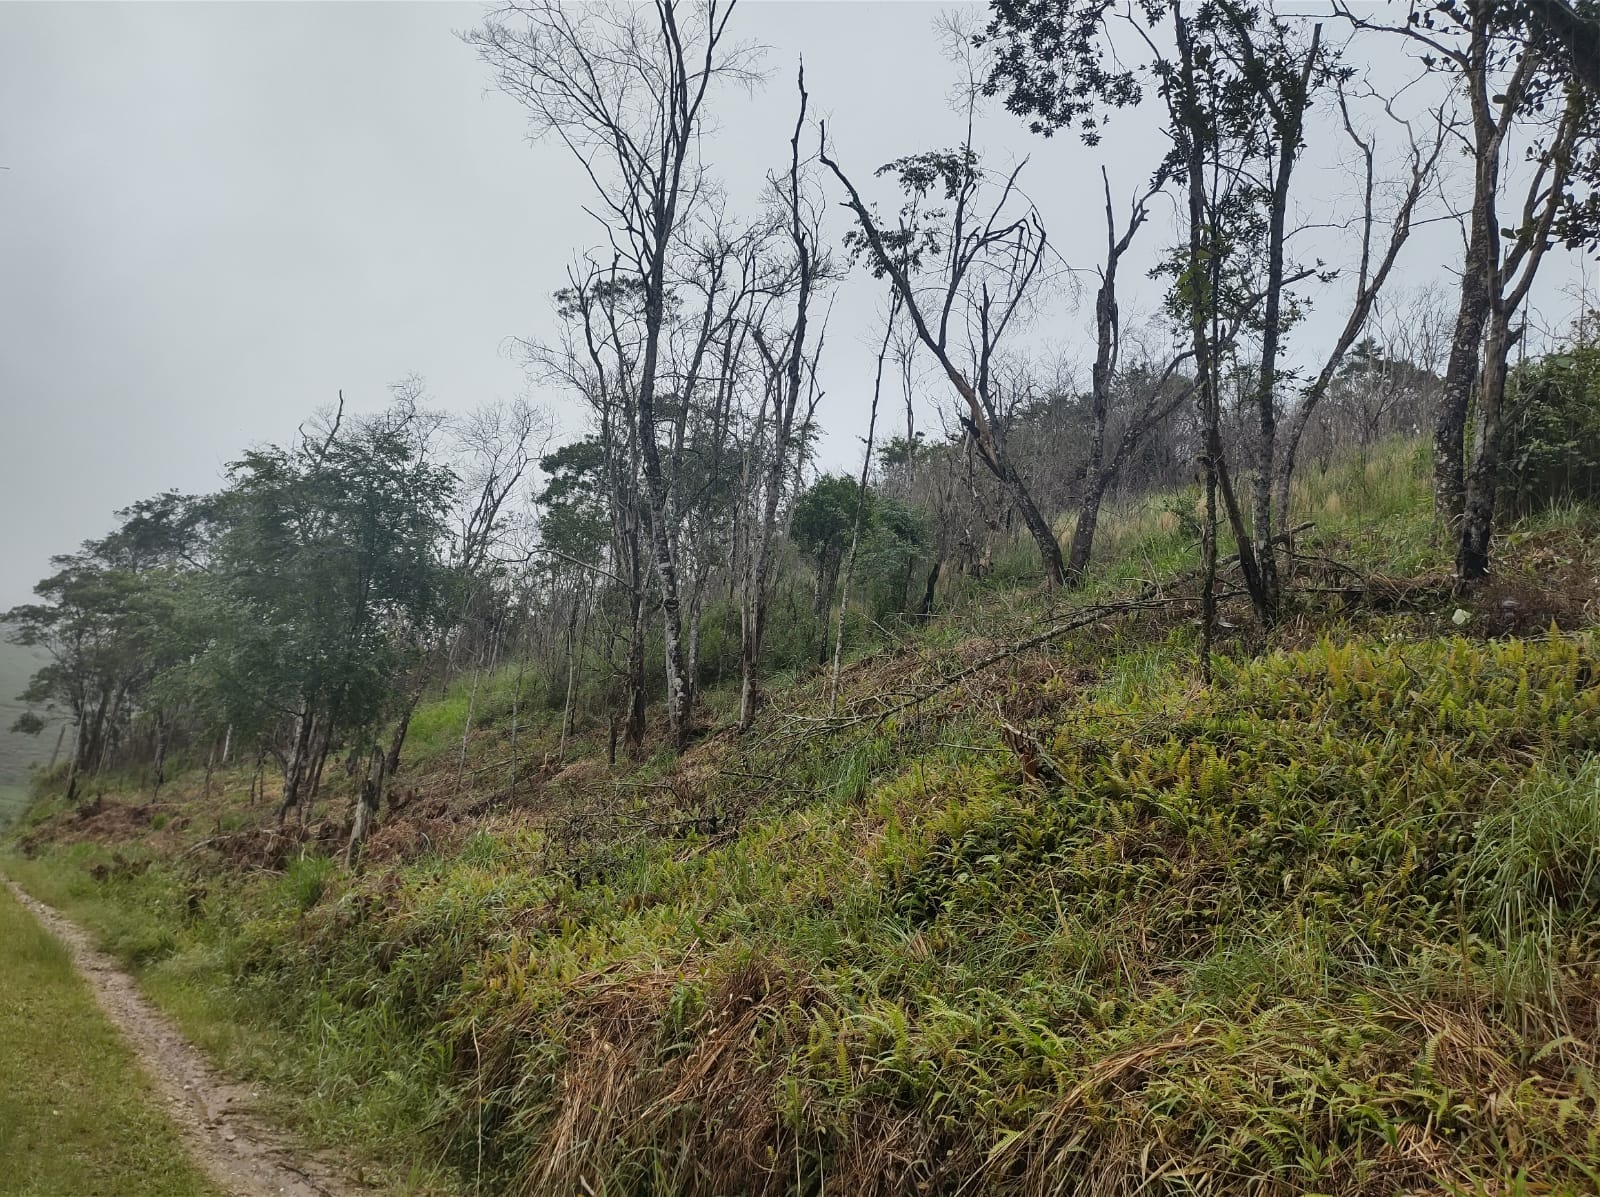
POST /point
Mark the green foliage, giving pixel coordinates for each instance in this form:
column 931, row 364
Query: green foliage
column 327, row 574
column 109, row 621
column 1551, row 452
column 822, row 520
column 895, row 544
column 574, row 518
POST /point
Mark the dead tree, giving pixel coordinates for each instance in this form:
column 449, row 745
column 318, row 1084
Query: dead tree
column 861, row 500
column 1371, row 277
column 785, row 360
column 625, row 89
column 979, row 268
column 598, row 359
column 1160, row 401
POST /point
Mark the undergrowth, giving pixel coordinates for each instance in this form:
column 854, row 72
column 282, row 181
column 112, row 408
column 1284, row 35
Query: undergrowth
column 1327, row 925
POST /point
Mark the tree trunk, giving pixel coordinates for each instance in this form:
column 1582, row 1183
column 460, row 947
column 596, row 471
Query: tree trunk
column 319, row 759
column 1106, row 329
column 466, row 728
column 366, row 813
column 572, row 678
column 397, row 741
column 1478, row 274
column 926, row 610
column 1055, row 570
column 656, row 494
column 72, row 768
column 89, row 744
column 1477, row 524
column 696, row 610
column 633, row 732
column 1455, row 398
column 1289, row 130
column 160, row 765
column 293, row 774
column 1083, row 534
column 55, row 753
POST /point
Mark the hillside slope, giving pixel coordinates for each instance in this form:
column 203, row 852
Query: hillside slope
column 1019, row 918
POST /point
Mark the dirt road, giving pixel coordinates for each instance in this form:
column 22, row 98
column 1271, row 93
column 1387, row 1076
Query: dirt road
column 242, row 1155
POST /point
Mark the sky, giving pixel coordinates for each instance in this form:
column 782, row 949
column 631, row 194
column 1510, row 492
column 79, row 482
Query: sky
column 215, row 218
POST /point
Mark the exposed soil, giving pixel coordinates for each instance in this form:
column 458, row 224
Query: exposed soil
column 243, row 1156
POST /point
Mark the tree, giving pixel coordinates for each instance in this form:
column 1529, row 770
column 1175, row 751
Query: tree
column 788, row 379
column 979, row 262
column 965, row 255
column 599, row 358
column 625, row 90
column 327, row 579
column 820, row 527
column 108, row 623
column 1509, row 87
column 1572, row 33
column 1552, row 430
column 1159, row 399
column 1236, row 85
column 1371, row 276
column 861, row 495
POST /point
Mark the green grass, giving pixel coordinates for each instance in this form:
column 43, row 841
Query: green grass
column 76, row 1115
column 1327, row 925
column 339, row 1083
column 1277, row 928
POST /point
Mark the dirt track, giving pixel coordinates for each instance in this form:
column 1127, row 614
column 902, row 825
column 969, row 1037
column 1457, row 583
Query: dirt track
column 243, row 1156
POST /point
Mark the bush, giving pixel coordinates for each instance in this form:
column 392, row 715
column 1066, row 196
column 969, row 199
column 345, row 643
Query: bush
column 1551, row 452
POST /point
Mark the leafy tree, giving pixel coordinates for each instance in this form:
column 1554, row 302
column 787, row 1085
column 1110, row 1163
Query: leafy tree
column 897, row 541
column 327, row 580
column 820, row 528
column 1552, row 432
column 106, row 622
column 573, row 523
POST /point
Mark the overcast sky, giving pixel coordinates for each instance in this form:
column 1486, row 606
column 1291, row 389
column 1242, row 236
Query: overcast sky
column 215, row 217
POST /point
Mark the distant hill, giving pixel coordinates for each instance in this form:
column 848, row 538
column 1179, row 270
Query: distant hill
column 18, row 753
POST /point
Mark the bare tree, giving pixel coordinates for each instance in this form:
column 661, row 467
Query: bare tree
column 861, row 498
column 799, row 216
column 1160, row 399
column 981, row 262
column 1508, row 85
column 1511, row 275
column 598, row 358
column 625, row 89
column 1371, row 277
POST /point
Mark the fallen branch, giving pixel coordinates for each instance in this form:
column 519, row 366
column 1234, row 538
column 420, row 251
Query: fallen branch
column 1082, row 619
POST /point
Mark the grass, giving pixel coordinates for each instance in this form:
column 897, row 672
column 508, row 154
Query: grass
column 1330, row 924
column 340, row 1085
column 76, row 1115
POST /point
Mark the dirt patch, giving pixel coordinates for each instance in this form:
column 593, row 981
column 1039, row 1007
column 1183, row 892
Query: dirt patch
column 242, row 1155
